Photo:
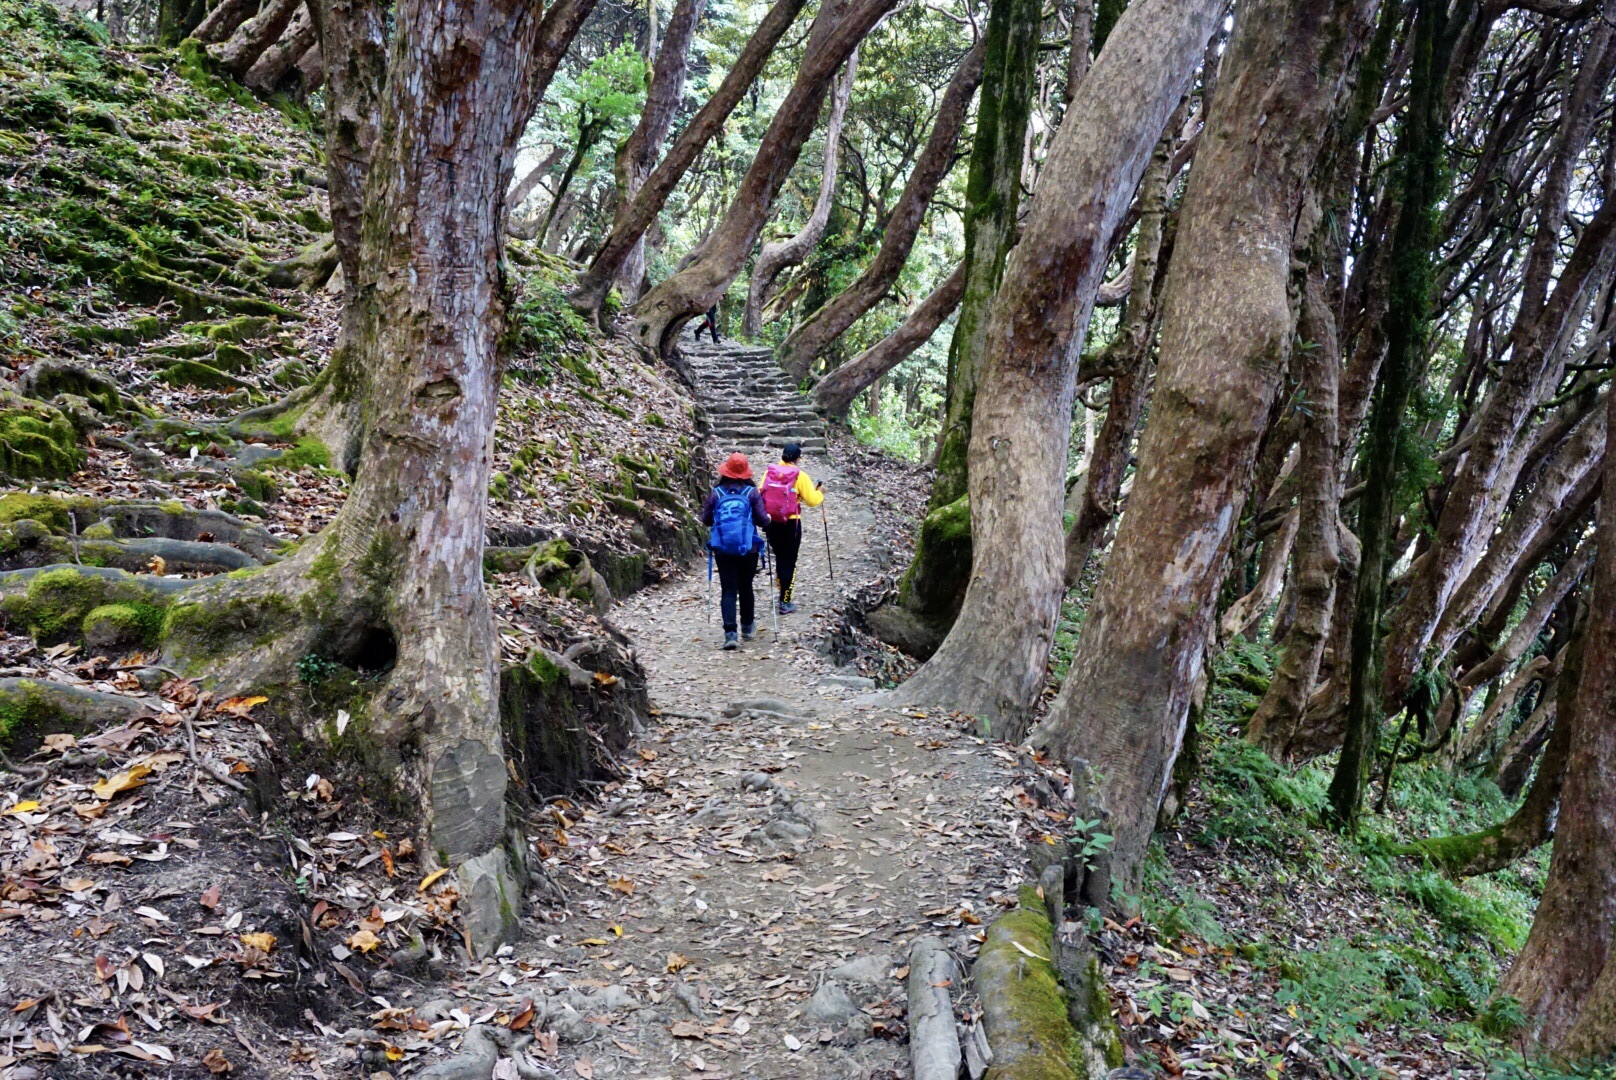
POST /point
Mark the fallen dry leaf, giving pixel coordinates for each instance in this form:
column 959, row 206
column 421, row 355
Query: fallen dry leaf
column 216, row 1062
column 240, row 707
column 264, row 942
column 620, row 885
column 364, row 941
column 677, row 962
column 210, row 897
column 426, row 882
column 129, row 779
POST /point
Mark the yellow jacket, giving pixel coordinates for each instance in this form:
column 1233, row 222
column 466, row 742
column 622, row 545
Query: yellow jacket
column 808, row 493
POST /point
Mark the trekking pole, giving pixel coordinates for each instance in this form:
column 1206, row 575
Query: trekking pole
column 709, row 586
column 826, row 522
column 774, row 608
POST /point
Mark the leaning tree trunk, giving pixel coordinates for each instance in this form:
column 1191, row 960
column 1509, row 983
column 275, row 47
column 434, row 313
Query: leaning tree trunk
column 638, row 154
column 632, row 221
column 1127, row 356
column 1578, row 456
column 1563, row 977
column 1227, row 323
column 1318, row 548
column 1532, row 823
column 1514, row 647
column 932, row 589
column 223, row 20
column 280, row 58
column 992, row 662
column 808, row 341
column 237, row 55
column 1420, row 144
column 395, row 581
column 776, row 257
column 835, row 393
column 1474, row 501
column 837, row 31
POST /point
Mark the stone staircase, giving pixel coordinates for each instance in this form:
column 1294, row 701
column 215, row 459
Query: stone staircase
column 747, row 402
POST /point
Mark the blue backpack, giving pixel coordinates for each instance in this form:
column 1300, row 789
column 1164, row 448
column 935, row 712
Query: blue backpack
column 733, row 532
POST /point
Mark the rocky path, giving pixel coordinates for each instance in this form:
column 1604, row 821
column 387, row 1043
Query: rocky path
column 742, row 902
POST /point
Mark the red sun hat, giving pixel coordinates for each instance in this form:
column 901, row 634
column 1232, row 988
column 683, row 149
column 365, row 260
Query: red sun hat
column 736, row 468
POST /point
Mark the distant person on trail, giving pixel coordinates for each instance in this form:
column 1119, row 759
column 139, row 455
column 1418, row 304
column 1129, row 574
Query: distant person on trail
column 786, row 490
column 709, row 322
column 733, row 514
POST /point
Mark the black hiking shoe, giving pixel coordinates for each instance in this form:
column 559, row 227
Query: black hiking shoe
column 748, row 631
column 730, row 640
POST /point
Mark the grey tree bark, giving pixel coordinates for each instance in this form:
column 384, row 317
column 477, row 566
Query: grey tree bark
column 280, row 58
column 837, row 30
column 776, row 257
column 992, row 662
column 1563, row 977
column 638, row 154
column 831, row 321
column 1227, row 324
column 633, row 221
column 1318, row 550
column 835, row 393
column 241, row 50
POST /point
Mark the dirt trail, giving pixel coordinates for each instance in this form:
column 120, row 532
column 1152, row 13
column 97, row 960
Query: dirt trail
column 774, row 825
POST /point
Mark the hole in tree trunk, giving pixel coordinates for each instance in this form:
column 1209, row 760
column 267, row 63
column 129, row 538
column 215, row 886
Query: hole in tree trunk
column 366, row 647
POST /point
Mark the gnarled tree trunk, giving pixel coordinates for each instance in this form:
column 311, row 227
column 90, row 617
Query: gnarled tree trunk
column 776, row 257
column 1128, row 357
column 280, row 58
column 1563, row 977
column 638, row 154
column 395, row 581
column 831, row 321
column 632, row 222
column 992, row 662
column 1227, row 323
column 837, row 30
column 223, row 20
column 1318, row 549
column 243, row 48
column 835, row 393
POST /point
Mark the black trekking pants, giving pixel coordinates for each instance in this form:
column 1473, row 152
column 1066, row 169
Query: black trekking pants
column 785, row 540
column 735, row 574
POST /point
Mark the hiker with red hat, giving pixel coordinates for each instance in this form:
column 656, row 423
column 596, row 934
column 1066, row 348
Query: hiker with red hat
column 733, row 515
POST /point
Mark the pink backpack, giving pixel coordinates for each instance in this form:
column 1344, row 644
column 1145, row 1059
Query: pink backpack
column 780, row 493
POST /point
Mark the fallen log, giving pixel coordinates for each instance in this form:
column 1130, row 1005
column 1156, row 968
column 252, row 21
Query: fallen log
column 934, row 1047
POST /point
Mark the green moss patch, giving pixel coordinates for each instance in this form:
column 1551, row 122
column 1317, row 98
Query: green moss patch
column 37, row 441
column 57, row 602
column 200, row 375
column 122, row 626
column 205, row 629
column 1023, row 1004
column 48, row 511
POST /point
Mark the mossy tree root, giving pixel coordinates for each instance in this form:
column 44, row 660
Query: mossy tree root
column 1024, row 1006
column 30, row 708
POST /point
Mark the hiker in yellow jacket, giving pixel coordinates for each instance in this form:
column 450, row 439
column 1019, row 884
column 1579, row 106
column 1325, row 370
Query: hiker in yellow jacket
column 786, row 490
